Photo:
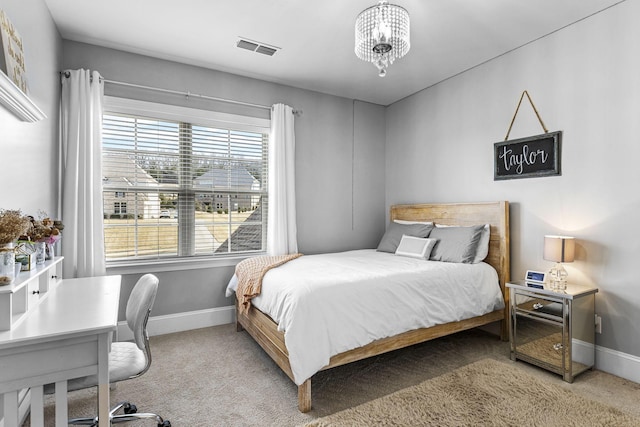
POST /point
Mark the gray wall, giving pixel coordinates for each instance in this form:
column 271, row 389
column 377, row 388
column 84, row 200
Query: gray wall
column 339, row 160
column 585, row 81
column 29, row 151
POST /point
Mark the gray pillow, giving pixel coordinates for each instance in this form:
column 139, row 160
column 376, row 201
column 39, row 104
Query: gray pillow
column 393, row 235
column 456, row 244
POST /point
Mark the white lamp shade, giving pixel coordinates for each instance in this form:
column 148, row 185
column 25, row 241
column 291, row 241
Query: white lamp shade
column 559, row 248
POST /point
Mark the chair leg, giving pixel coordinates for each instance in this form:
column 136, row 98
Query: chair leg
column 130, row 414
column 84, row 421
column 138, row 416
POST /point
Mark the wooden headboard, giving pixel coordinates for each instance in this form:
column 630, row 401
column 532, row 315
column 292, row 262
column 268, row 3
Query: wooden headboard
column 494, row 213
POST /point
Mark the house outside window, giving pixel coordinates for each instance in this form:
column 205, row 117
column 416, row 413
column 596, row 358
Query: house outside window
column 191, row 182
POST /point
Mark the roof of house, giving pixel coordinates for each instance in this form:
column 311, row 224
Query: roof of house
column 236, row 178
column 119, row 169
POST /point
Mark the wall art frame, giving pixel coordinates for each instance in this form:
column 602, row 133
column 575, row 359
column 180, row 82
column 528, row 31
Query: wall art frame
column 533, row 156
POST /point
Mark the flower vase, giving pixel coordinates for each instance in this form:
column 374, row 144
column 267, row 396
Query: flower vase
column 41, row 249
column 7, row 264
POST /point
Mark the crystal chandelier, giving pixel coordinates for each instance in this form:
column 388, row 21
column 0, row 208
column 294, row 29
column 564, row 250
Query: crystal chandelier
column 382, row 35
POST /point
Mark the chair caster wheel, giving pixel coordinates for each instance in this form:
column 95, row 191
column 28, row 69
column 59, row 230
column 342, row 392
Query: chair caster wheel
column 166, row 423
column 130, row 408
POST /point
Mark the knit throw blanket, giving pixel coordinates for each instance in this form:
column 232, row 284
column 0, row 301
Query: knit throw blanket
column 250, row 273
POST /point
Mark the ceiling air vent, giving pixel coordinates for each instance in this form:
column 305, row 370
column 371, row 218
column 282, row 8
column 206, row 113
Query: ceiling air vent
column 254, row 46
column 243, row 44
column 266, row 50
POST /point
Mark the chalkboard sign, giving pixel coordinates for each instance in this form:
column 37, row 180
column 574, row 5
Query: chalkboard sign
column 527, row 157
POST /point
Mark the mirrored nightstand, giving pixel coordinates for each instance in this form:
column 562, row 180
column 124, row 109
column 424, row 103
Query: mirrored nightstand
column 554, row 330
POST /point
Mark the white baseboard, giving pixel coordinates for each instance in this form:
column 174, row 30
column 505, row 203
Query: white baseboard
column 614, row 362
column 618, row 363
column 167, row 324
column 611, row 361
column 583, row 352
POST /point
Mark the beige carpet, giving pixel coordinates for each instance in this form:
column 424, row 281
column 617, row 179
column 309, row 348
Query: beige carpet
column 484, row 393
column 219, row 377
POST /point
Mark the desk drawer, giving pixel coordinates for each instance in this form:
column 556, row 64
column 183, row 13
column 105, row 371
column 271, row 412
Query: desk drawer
column 48, row 362
column 33, row 294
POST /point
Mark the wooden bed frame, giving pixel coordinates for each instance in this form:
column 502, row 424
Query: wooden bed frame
column 264, row 330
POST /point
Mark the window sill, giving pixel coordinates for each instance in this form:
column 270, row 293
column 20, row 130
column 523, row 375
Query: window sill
column 160, row 265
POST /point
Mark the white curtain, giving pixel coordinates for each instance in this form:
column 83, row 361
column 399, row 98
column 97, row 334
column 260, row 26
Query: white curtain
column 81, row 127
column 281, row 229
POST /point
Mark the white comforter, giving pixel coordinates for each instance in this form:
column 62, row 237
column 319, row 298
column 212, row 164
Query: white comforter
column 330, row 303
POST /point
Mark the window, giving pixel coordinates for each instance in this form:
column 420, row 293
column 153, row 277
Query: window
column 120, row 208
column 188, row 182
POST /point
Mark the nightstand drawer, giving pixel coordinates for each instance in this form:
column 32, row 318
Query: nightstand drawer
column 545, row 308
column 541, row 343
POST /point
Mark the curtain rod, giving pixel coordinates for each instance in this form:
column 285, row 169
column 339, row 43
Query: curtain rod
column 186, row 94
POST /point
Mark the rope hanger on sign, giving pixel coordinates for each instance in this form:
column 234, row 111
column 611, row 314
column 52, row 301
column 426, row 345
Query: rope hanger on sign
column 516, row 113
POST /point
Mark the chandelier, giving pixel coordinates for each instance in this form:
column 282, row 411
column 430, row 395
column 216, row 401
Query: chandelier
column 382, row 35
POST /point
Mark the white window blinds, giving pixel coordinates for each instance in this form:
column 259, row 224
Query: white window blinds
column 178, row 184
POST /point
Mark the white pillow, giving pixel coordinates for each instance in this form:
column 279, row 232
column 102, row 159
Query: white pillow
column 415, row 247
column 483, row 245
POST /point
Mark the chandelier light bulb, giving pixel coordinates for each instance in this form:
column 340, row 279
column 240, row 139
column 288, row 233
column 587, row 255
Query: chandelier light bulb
column 382, row 36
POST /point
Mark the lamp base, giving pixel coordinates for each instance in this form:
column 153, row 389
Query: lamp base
column 558, row 278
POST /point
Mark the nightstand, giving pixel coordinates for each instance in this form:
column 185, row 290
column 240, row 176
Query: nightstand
column 552, row 329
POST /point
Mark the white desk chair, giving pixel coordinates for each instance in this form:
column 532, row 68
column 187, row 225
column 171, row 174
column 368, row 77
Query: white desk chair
column 127, row 360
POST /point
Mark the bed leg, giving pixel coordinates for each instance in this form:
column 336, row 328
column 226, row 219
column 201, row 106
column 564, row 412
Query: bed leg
column 504, row 330
column 304, row 396
column 239, row 327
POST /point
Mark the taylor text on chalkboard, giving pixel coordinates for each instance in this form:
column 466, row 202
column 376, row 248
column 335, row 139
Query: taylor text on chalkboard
column 533, row 156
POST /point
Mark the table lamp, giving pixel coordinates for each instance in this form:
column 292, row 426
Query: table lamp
column 559, row 249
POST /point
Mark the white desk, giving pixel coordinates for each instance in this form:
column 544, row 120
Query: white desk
column 68, row 335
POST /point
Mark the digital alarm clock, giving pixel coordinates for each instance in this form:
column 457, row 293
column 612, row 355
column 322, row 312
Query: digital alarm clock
column 536, row 276
column 535, row 279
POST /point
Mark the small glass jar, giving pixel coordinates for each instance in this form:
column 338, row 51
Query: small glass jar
column 41, row 250
column 49, row 251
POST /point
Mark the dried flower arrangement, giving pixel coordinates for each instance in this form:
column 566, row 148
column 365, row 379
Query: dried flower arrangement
column 44, row 229
column 13, row 224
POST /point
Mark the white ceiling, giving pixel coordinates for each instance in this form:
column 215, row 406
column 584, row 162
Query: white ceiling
column 316, row 37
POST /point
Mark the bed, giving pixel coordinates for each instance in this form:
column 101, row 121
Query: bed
column 267, row 334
